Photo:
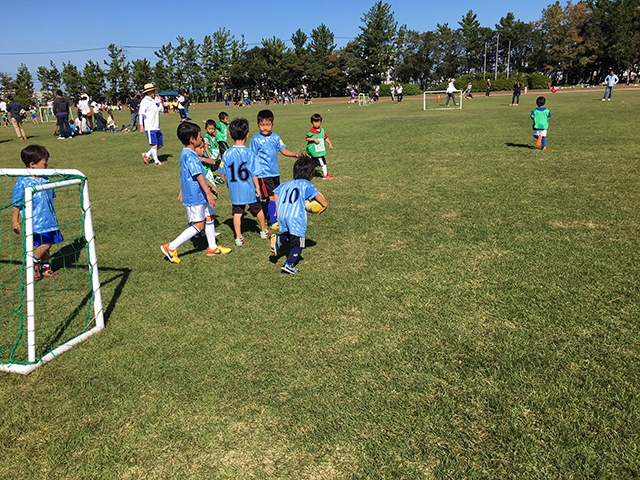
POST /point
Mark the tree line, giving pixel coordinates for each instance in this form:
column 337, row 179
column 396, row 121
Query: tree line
column 572, row 43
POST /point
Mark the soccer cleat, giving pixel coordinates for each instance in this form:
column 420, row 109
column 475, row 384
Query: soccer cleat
column 288, row 268
column 48, row 273
column 544, row 148
column 608, row 99
column 145, row 158
column 275, row 244
column 265, row 234
column 240, row 241
column 328, row 176
column 218, row 251
column 219, row 180
column 159, row 164
column 274, row 228
column 60, row 138
column 172, row 255
column 539, row 141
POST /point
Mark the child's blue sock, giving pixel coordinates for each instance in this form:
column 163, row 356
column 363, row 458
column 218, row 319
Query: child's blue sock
column 271, row 210
column 544, row 142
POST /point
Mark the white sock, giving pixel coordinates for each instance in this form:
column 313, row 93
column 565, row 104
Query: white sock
column 154, row 154
column 324, row 169
column 190, row 232
column 210, row 232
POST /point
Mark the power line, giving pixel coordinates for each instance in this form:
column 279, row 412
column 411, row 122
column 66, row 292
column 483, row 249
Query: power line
column 72, row 51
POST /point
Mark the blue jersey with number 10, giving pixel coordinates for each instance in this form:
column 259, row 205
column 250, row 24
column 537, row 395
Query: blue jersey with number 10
column 240, row 165
column 292, row 215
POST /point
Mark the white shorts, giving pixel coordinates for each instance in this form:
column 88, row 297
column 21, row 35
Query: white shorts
column 199, row 213
column 539, row 133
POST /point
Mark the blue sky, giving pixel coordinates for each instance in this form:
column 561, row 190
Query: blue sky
column 54, row 25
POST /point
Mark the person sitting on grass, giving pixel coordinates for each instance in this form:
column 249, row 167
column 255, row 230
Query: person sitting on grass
column 291, row 211
column 195, row 195
column 45, row 224
column 241, row 168
column 540, row 117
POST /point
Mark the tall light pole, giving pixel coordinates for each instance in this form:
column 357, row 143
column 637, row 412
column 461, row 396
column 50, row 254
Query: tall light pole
column 508, row 58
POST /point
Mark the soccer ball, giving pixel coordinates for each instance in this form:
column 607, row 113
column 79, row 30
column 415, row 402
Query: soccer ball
column 313, row 207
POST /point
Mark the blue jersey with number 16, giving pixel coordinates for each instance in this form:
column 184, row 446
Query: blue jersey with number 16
column 292, row 215
column 240, row 165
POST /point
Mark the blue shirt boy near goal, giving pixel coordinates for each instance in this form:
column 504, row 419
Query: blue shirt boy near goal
column 45, row 224
column 266, row 146
column 240, row 166
column 292, row 214
column 195, row 195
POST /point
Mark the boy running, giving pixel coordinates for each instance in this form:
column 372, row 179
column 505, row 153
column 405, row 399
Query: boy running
column 316, row 139
column 540, row 117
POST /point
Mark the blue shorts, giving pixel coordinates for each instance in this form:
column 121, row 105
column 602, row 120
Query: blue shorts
column 47, row 238
column 155, row 137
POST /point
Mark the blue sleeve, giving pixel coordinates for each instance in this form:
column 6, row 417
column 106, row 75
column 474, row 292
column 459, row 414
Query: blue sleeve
column 281, row 145
column 310, row 192
column 254, row 145
column 194, row 168
column 254, row 164
column 17, row 198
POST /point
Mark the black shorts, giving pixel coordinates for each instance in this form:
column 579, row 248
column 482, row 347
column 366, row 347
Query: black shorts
column 254, row 208
column 293, row 241
column 222, row 146
column 268, row 185
column 320, row 161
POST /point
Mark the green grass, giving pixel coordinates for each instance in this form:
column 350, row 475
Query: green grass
column 468, row 308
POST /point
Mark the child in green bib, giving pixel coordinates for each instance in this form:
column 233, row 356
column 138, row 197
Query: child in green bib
column 317, row 140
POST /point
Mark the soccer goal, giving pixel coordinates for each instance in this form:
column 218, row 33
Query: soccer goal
column 364, row 100
column 40, row 319
column 437, row 100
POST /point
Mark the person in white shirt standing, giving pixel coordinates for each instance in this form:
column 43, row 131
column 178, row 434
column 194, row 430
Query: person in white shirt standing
column 149, row 122
column 610, row 80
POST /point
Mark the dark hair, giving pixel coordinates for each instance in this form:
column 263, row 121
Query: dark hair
column 239, row 128
column 187, row 131
column 59, row 93
column 304, row 167
column 540, row 101
column 209, row 122
column 265, row 115
column 222, row 115
column 316, row 117
column 33, row 154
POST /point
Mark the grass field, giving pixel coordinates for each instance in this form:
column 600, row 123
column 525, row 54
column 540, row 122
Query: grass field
column 468, row 307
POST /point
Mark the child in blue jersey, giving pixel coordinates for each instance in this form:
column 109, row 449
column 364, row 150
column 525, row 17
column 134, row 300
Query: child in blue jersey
column 291, row 212
column 240, row 167
column 45, row 224
column 266, row 146
column 540, row 117
column 195, row 195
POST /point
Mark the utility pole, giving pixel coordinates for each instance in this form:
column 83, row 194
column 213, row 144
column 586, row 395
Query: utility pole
column 508, row 58
column 497, row 46
column 484, row 74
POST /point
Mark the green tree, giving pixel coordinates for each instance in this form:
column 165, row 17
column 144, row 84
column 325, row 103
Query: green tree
column 449, row 52
column 165, row 69
column 93, row 79
column 187, row 54
column 318, row 72
column 376, row 42
column 141, row 73
column 418, row 58
column 471, row 42
column 49, row 77
column 23, row 86
column 211, row 77
column 118, row 73
column 72, row 80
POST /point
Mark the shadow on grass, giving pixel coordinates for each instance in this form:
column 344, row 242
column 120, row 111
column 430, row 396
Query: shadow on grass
column 121, row 276
column 4, row 141
column 68, row 255
column 164, row 157
column 521, row 145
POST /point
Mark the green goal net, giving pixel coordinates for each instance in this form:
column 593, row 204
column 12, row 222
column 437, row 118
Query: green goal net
column 42, row 316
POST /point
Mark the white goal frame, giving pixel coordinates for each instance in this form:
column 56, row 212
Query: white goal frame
column 364, row 100
column 443, row 99
column 33, row 362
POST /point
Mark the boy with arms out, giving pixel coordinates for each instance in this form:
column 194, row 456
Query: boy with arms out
column 149, row 121
column 316, row 139
column 240, row 166
column 45, row 224
column 195, row 196
column 540, row 117
column 292, row 215
column 266, row 146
